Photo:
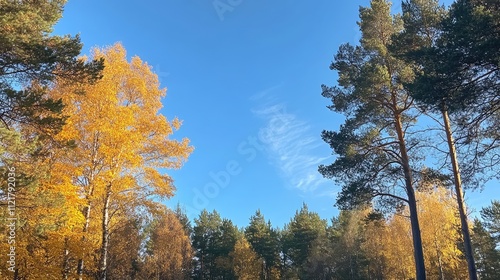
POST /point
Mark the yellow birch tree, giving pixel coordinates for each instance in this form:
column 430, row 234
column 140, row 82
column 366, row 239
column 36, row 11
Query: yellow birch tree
column 246, row 263
column 440, row 235
column 169, row 251
column 121, row 144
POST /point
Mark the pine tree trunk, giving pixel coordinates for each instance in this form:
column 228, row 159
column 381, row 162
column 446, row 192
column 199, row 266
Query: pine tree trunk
column 417, row 238
column 103, row 264
column 459, row 193
column 412, row 202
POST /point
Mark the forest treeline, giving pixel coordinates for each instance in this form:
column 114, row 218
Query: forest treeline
column 85, row 155
column 357, row 244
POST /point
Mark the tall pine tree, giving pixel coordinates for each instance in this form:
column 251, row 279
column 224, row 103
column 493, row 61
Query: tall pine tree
column 375, row 149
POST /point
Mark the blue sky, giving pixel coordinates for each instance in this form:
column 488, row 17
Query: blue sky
column 244, row 76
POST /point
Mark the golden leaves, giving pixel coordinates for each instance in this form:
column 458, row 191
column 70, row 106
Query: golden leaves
column 122, row 109
column 121, row 142
column 246, row 263
column 170, row 253
column 440, row 235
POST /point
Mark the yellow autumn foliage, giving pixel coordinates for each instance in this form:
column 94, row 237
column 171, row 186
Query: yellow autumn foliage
column 246, row 263
column 122, row 146
column 440, row 229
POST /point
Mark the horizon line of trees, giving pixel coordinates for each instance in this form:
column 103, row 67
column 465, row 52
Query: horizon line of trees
column 357, row 244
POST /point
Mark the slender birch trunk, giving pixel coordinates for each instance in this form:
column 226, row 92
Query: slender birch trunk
column 103, row 263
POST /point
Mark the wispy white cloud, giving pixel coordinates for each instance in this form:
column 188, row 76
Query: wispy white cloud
column 266, row 93
column 291, row 146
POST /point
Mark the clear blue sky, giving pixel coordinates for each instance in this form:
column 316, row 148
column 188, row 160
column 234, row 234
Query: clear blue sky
column 244, row 76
